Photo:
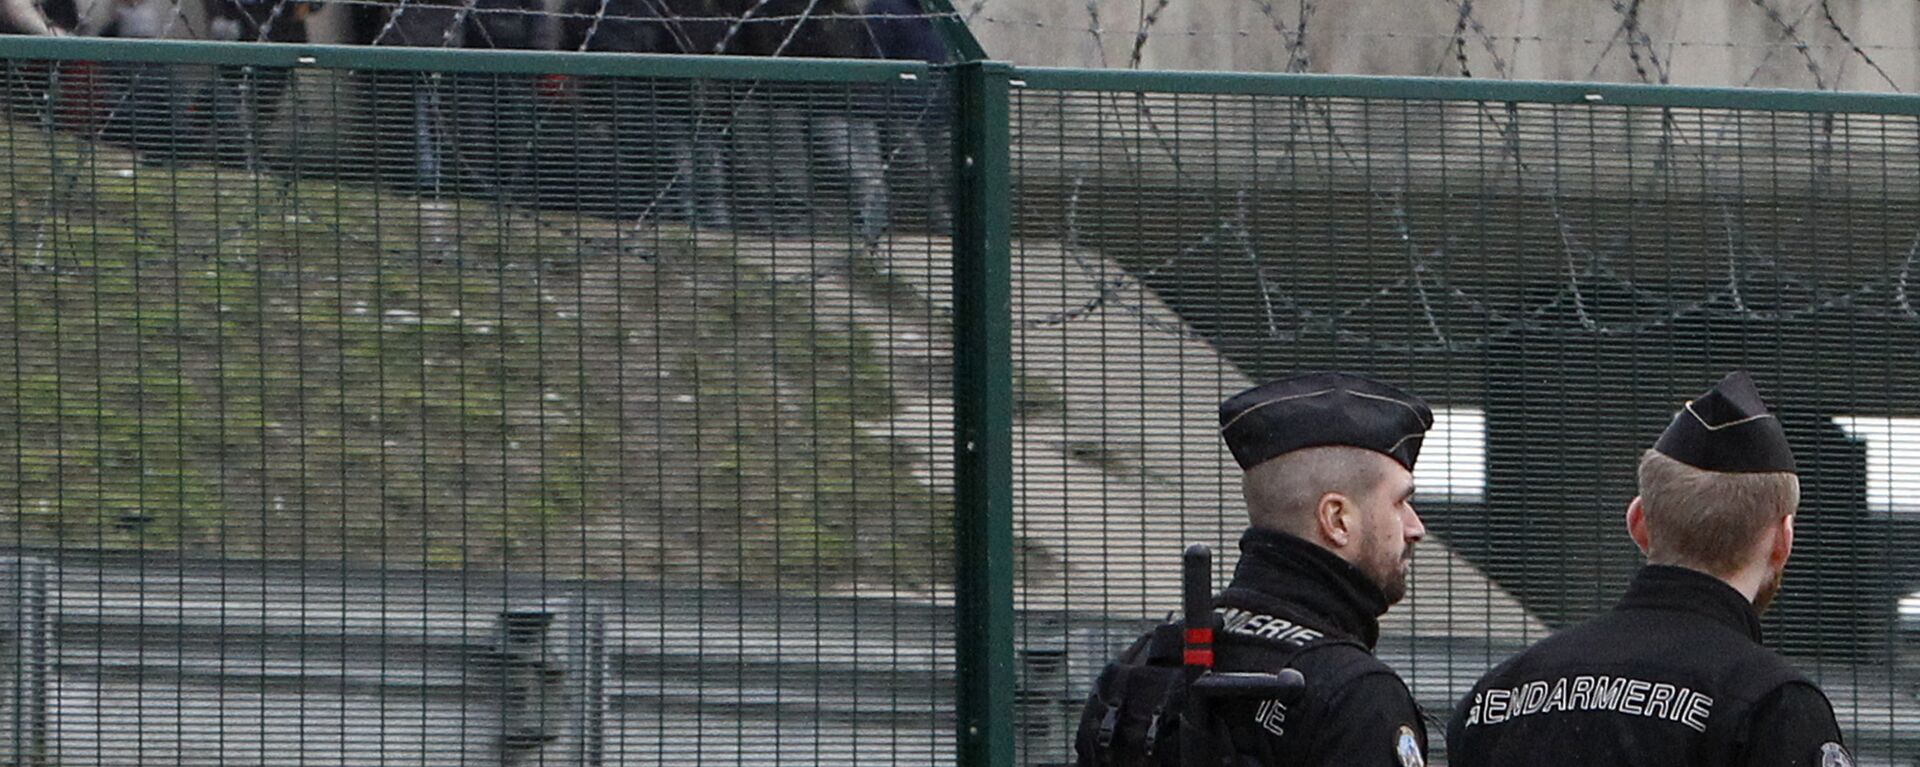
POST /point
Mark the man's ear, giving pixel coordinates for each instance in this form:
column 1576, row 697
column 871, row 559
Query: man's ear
column 1782, row 542
column 1335, row 517
column 1637, row 526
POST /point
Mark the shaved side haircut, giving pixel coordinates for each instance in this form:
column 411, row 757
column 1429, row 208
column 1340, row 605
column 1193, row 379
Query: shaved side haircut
column 1709, row 520
column 1283, row 493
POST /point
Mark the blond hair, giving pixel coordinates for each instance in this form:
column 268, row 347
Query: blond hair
column 1710, row 520
column 1283, row 493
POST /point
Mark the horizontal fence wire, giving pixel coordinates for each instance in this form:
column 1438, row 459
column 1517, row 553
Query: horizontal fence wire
column 451, row 416
column 1555, row 277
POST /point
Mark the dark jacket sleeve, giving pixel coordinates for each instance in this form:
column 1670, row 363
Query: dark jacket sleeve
column 1791, row 726
column 1365, row 722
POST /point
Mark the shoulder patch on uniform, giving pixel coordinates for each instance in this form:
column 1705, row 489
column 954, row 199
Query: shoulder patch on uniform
column 1406, row 745
column 1834, row 755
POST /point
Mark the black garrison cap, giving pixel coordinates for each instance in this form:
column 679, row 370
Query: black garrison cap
column 1728, row 429
column 1323, row 410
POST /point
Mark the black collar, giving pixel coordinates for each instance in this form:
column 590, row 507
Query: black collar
column 1308, row 579
column 1666, row 587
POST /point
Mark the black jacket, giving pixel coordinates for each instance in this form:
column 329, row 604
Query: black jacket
column 1292, row 603
column 1674, row 675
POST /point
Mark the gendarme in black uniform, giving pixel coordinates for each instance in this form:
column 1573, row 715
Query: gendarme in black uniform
column 1295, row 604
column 1675, row 674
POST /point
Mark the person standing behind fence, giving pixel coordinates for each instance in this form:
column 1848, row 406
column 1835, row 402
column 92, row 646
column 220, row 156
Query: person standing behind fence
column 1675, row 674
column 1329, row 488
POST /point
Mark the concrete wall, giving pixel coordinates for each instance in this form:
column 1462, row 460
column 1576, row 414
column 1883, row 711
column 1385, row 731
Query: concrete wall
column 1868, row 45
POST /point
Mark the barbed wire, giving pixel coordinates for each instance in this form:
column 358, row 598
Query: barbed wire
column 1593, row 288
column 1826, row 12
column 1145, row 27
column 1589, row 269
column 1460, row 38
column 1094, row 29
column 1294, row 37
column 1790, row 30
column 670, row 13
column 1467, row 21
column 1643, row 45
column 1637, row 41
column 1445, row 36
column 1468, row 35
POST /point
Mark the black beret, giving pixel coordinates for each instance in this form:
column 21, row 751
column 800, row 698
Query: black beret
column 1323, row 410
column 1728, row 429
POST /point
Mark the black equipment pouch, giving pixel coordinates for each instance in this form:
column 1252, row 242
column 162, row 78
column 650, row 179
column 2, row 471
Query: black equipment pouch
column 1138, row 699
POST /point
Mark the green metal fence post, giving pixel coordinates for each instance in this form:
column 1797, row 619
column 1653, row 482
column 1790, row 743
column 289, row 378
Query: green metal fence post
column 983, row 413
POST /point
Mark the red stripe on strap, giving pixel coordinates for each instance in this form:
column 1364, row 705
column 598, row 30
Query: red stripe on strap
column 1201, row 658
column 1200, row 636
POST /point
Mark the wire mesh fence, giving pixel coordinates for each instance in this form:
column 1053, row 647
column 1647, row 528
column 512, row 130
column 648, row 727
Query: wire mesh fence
column 440, row 415
column 1555, row 270
column 370, row 406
